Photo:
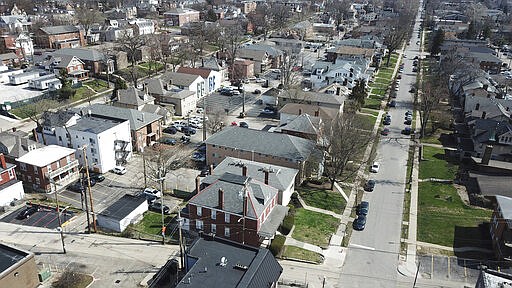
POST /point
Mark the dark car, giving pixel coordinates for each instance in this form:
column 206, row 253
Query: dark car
column 407, row 131
column 185, row 139
column 408, row 122
column 243, row 125
column 157, row 207
column 392, row 103
column 384, row 132
column 77, row 187
column 359, row 223
column 170, row 130
column 408, row 112
column 369, row 186
column 257, row 91
column 168, row 141
column 362, row 208
column 187, row 130
column 97, row 177
column 205, row 172
column 27, row 212
column 91, row 180
column 387, row 121
column 412, row 90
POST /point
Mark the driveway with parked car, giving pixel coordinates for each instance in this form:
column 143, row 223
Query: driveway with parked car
column 38, row 216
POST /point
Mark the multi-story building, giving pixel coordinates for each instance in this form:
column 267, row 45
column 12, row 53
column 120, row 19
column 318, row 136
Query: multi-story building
column 181, row 16
column 501, row 228
column 11, row 188
column 48, row 168
column 57, row 37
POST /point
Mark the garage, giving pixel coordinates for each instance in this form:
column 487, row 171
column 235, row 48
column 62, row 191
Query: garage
column 127, row 210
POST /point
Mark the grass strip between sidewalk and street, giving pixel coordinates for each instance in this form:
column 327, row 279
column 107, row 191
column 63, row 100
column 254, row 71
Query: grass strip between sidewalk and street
column 313, row 227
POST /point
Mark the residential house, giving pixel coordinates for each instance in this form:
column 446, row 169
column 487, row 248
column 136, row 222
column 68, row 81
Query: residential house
column 19, row 267
column 113, row 34
column 127, row 12
column 25, row 43
column 349, row 53
column 184, row 101
column 265, row 57
column 216, row 65
column 107, row 140
column 11, row 189
column 14, row 24
column 94, row 61
column 49, row 168
column 72, row 66
column 265, row 147
column 15, row 143
column 242, row 69
column 181, row 16
column 142, row 26
column 280, row 177
column 50, row 82
column 238, row 208
column 271, row 96
column 501, row 228
column 185, row 81
column 304, row 126
column 494, row 135
column 145, row 127
column 215, row 262
column 248, row 7
column 290, row 46
column 290, row 112
column 344, row 72
column 57, row 37
column 312, row 98
column 128, row 209
column 212, row 78
column 132, row 98
column 9, row 59
column 165, row 112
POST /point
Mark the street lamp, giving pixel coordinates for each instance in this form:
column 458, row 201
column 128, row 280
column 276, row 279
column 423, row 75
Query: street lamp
column 58, row 213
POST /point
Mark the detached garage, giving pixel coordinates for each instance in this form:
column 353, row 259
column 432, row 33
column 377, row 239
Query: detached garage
column 125, row 211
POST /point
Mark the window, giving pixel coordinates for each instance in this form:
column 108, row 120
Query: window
column 226, row 232
column 226, row 217
column 93, row 151
column 38, row 182
column 199, row 225
column 214, row 214
column 68, row 159
column 23, row 167
column 58, row 164
column 49, row 168
column 91, row 141
column 60, row 138
column 214, row 228
column 199, row 211
column 11, row 173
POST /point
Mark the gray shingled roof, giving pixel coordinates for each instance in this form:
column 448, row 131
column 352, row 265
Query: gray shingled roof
column 309, row 96
column 262, row 267
column 234, row 185
column 279, row 177
column 179, row 79
column 138, row 119
column 267, row 143
column 82, row 53
column 54, row 30
column 123, row 207
column 58, row 118
column 303, row 123
column 133, row 96
column 94, row 125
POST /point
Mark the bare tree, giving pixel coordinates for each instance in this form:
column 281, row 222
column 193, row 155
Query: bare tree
column 155, row 51
column 233, row 35
column 131, row 45
column 216, row 121
column 87, row 17
column 289, row 77
column 394, row 39
column 339, row 9
column 35, row 113
column 343, row 143
column 280, row 14
column 429, row 97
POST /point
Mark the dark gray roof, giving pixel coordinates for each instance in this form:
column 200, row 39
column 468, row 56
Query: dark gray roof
column 10, row 255
column 491, row 279
column 279, row 177
column 312, row 97
column 179, row 79
column 493, row 185
column 123, row 207
column 82, row 53
column 260, row 268
column 303, row 123
column 54, row 30
column 138, row 119
column 489, row 130
column 133, row 96
column 94, row 125
column 234, row 185
column 16, row 144
column 269, row 227
column 267, row 143
column 58, row 118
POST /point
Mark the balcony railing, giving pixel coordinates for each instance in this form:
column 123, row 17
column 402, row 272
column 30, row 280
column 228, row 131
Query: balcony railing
column 63, row 169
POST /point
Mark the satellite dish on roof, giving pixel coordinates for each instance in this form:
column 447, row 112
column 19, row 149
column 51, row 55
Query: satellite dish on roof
column 223, row 261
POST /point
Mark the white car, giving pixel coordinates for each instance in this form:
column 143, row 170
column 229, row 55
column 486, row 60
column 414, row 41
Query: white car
column 120, row 170
column 375, row 167
column 152, row 192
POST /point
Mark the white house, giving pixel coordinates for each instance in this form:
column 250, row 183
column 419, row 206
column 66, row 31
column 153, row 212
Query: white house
column 184, row 81
column 143, row 26
column 10, row 187
column 24, row 42
column 127, row 210
column 212, row 78
column 344, row 72
column 108, row 142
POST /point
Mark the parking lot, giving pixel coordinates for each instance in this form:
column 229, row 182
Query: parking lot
column 45, row 218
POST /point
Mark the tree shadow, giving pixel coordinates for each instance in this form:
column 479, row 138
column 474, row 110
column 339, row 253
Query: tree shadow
column 478, row 238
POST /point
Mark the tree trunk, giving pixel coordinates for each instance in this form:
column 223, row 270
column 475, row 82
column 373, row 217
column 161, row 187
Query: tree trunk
column 333, row 180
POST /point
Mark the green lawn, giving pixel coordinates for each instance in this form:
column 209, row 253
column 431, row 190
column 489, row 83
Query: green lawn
column 313, row 227
column 82, row 93
column 155, row 66
column 151, row 223
column 440, row 210
column 371, row 103
column 434, row 164
column 97, row 85
column 370, row 111
column 380, row 92
column 365, row 122
column 323, row 199
column 302, row 254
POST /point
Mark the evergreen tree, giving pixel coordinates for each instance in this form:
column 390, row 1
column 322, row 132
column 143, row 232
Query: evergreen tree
column 436, row 42
column 359, row 93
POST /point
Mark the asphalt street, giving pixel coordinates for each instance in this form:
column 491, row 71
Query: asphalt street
column 373, row 254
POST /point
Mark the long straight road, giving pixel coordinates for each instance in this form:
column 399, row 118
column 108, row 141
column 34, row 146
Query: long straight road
column 373, row 254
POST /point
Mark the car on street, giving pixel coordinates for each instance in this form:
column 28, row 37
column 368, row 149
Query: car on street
column 407, row 130
column 267, row 110
column 359, row 223
column 168, row 141
column 195, row 124
column 369, row 186
column 363, row 208
column 384, row 132
column 387, row 121
column 408, row 122
column 375, row 167
column 170, row 130
column 392, row 103
column 408, row 117
column 414, row 69
column 152, row 192
column 408, row 112
column 198, row 156
column 399, row 76
column 256, row 91
column 27, row 212
column 205, row 172
column 412, row 90
column 243, row 125
column 158, row 207
column 119, row 170
column 97, row 177
column 187, row 130
column 185, row 139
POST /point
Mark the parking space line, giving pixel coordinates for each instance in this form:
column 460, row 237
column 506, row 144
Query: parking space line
column 40, row 219
column 432, row 266
column 51, row 221
column 448, row 266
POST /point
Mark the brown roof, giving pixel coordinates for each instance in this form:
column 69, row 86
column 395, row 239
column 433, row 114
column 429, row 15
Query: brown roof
column 203, row 72
column 325, row 113
column 352, row 50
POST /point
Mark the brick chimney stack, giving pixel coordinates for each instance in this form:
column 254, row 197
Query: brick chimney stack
column 198, row 184
column 266, row 171
column 2, row 161
column 221, row 199
column 244, row 170
column 210, row 169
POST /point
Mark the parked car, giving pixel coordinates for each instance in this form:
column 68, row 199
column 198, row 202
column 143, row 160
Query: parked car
column 408, row 122
column 205, row 172
column 77, row 187
column 152, row 191
column 359, row 223
column 170, row 130
column 198, row 156
column 119, row 170
column 375, row 167
column 168, row 141
column 408, row 112
column 267, row 110
column 195, row 124
column 187, row 130
column 97, row 177
column 408, row 117
column 384, row 132
column 369, row 186
column 387, row 121
column 414, row 69
column 257, row 91
column 407, row 130
column 363, row 208
column 200, row 110
column 243, row 125
column 399, row 76
column 157, row 207
column 392, row 103
column 185, row 139
column 27, row 212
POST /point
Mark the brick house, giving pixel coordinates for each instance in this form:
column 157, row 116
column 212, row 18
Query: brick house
column 10, row 187
column 50, row 162
column 242, row 69
column 57, row 37
column 501, row 228
column 94, row 61
column 72, row 65
column 181, row 16
column 237, row 208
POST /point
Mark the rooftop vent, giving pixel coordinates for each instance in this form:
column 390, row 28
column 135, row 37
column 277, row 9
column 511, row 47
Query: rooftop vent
column 223, row 261
column 241, row 267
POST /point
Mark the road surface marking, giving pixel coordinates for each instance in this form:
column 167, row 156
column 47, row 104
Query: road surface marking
column 362, row 247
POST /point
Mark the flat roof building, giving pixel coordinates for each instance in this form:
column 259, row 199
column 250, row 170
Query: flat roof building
column 17, row 267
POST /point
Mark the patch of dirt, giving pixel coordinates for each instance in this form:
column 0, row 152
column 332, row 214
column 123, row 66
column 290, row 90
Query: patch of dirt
column 463, row 193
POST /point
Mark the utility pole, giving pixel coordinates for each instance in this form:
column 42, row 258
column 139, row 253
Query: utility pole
column 86, row 165
column 58, row 215
column 243, row 215
column 84, row 197
column 416, row 277
column 204, row 118
column 180, row 221
column 162, row 204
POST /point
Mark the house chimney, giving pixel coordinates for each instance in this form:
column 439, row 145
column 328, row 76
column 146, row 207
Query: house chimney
column 211, row 169
column 487, row 155
column 2, row 161
column 221, row 199
column 244, row 170
column 13, row 129
column 246, row 204
column 266, row 171
column 300, row 111
column 34, row 132
column 198, row 184
column 317, row 112
column 485, row 87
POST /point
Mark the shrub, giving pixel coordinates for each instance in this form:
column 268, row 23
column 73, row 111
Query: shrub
column 277, row 245
column 288, row 222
